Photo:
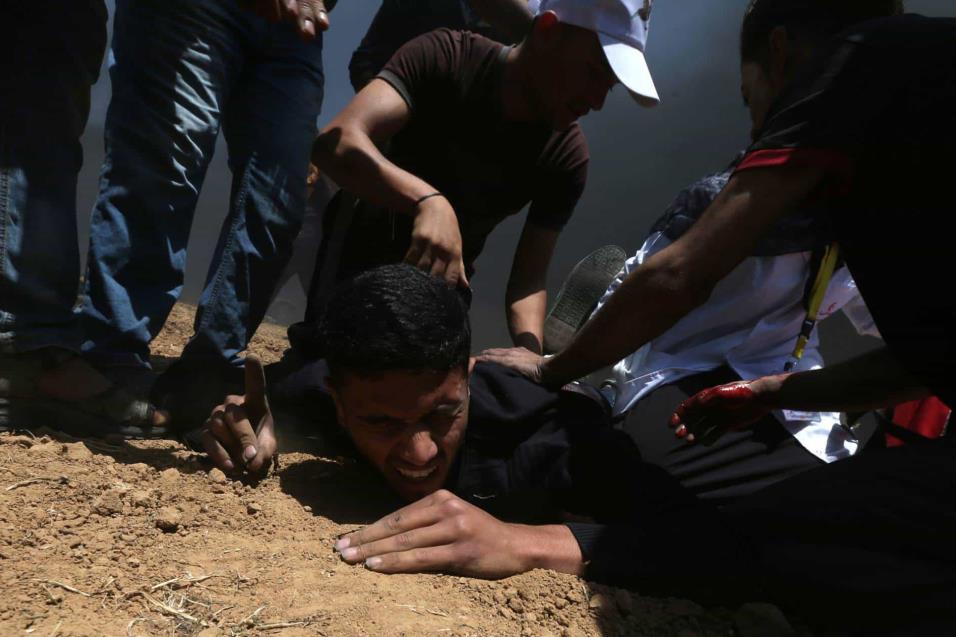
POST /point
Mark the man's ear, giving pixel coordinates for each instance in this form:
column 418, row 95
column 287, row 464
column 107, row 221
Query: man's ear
column 333, row 391
column 545, row 28
column 781, row 58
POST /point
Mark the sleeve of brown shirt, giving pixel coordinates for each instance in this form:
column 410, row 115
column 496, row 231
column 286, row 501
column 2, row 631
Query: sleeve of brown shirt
column 424, row 67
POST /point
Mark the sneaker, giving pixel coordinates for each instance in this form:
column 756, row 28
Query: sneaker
column 579, row 295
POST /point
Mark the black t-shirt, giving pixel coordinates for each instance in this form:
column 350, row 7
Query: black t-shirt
column 458, row 140
column 878, row 111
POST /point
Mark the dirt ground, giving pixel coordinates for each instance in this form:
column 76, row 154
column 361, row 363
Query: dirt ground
column 141, row 538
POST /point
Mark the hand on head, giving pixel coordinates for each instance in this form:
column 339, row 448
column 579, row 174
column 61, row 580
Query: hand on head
column 240, row 433
column 710, row 413
column 436, row 241
column 309, row 16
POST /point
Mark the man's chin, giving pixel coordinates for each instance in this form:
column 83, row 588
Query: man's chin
column 416, row 489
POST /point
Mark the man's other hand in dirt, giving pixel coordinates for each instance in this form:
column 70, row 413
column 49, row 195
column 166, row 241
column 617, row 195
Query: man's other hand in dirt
column 240, row 433
column 442, row 532
column 309, row 16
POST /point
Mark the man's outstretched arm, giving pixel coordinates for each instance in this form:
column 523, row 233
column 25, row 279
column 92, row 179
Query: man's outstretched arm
column 526, row 298
column 676, row 280
column 443, row 533
column 871, row 381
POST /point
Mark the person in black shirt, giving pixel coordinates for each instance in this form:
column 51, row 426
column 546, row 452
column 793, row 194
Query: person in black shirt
column 492, row 463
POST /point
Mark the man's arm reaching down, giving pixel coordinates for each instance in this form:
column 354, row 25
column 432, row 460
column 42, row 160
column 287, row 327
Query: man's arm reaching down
column 443, row 533
column 526, row 298
column 347, row 150
column 870, row 381
column 676, row 280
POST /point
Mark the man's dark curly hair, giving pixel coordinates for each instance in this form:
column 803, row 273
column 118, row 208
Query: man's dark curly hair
column 394, row 317
column 812, row 20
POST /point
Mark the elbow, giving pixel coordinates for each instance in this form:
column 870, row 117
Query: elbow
column 334, row 145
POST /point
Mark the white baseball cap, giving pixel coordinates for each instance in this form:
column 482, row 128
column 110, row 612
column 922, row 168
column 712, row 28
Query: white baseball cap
column 621, row 27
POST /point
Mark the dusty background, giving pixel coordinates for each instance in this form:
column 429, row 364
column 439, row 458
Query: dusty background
column 142, row 539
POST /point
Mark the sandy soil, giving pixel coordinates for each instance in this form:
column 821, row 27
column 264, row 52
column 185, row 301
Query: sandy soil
column 141, row 538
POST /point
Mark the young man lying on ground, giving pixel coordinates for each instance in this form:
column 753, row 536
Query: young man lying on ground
column 476, row 450
column 492, row 464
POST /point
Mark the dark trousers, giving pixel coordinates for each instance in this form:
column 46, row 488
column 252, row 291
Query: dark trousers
column 739, row 463
column 868, row 542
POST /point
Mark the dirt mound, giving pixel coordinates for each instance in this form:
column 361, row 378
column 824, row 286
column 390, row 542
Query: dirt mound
column 142, row 538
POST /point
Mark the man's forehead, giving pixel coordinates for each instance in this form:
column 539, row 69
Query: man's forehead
column 404, row 393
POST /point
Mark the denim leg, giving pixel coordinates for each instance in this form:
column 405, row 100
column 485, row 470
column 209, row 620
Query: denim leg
column 269, row 125
column 47, row 80
column 173, row 63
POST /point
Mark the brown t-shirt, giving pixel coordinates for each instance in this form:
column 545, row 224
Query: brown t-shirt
column 458, row 141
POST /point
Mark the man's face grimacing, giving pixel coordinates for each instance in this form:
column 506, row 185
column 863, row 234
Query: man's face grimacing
column 408, row 424
column 570, row 71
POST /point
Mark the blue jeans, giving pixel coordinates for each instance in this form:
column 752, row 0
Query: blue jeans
column 180, row 69
column 51, row 55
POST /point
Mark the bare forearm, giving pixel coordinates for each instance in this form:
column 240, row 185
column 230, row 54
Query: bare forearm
column 647, row 303
column 550, row 547
column 353, row 161
column 871, row 381
column 526, row 319
column 511, row 17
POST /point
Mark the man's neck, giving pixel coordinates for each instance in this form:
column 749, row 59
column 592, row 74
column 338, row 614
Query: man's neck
column 516, row 89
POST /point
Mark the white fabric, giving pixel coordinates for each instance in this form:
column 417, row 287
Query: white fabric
column 750, row 323
column 622, row 27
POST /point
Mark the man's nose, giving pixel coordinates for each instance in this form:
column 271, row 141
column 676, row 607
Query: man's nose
column 420, row 449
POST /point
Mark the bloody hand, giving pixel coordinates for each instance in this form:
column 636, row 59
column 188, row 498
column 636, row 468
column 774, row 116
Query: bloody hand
column 710, row 413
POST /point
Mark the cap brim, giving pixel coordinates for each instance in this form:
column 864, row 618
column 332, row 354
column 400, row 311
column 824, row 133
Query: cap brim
column 630, row 67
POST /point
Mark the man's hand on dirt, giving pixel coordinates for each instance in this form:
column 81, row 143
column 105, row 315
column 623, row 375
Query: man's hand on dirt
column 710, row 413
column 439, row 533
column 436, row 242
column 520, row 359
column 309, row 16
column 240, row 433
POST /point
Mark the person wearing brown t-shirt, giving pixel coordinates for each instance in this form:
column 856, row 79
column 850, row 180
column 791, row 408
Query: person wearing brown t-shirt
column 476, row 132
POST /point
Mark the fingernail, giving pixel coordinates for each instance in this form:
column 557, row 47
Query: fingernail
column 308, row 27
column 343, row 543
column 228, row 465
column 373, row 563
column 681, row 431
column 249, row 452
column 350, row 554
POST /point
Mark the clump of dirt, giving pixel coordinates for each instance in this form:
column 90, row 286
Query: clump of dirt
column 143, row 538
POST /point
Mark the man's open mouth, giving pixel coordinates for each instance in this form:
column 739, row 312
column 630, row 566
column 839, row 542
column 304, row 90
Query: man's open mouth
column 416, row 474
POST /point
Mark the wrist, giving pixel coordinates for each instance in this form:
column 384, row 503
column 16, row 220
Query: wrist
column 768, row 390
column 549, row 372
column 551, row 547
column 425, row 200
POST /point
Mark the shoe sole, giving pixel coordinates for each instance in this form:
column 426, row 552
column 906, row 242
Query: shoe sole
column 580, row 294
